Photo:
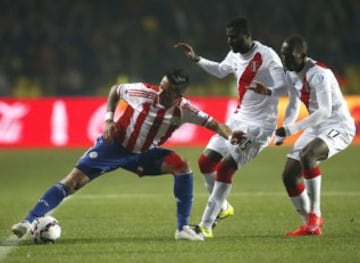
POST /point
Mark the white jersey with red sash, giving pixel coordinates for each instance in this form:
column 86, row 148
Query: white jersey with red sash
column 145, row 123
column 260, row 63
column 256, row 114
column 316, row 86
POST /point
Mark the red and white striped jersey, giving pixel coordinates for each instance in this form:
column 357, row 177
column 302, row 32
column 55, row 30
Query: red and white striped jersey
column 316, row 86
column 260, row 63
column 145, row 123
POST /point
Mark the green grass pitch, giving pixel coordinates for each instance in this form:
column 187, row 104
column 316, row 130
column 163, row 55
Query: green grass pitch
column 123, row 218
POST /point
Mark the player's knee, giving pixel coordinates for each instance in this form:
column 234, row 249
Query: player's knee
column 225, row 173
column 74, row 181
column 307, row 157
column 290, row 179
column 207, row 164
column 175, row 164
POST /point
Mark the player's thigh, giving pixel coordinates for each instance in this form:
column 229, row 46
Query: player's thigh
column 104, row 157
column 217, row 144
column 303, row 140
column 336, row 139
column 149, row 162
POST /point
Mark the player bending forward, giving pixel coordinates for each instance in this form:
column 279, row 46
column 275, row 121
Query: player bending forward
column 132, row 143
column 328, row 129
column 249, row 61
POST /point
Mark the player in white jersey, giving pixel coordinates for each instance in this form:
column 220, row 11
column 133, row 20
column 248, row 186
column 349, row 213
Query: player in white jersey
column 250, row 62
column 328, row 129
column 153, row 113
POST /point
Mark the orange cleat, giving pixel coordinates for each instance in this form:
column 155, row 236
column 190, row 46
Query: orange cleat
column 314, row 224
column 312, row 227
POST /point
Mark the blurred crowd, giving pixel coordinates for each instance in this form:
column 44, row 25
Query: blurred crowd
column 82, row 47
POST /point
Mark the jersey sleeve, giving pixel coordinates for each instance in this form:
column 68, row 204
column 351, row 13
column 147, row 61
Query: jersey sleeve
column 292, row 109
column 219, row 70
column 123, row 89
column 277, row 73
column 193, row 114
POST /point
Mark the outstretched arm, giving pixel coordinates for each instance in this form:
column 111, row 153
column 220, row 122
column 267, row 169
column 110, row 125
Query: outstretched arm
column 219, row 70
column 236, row 137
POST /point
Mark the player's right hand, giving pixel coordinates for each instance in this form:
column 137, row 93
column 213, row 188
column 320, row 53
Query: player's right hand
column 189, row 51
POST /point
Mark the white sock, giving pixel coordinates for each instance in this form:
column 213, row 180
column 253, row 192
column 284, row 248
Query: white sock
column 301, row 204
column 215, row 201
column 313, row 188
column 209, row 179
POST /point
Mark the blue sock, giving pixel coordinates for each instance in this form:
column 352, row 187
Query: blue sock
column 51, row 199
column 183, row 191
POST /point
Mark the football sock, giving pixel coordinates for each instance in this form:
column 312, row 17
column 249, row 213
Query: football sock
column 313, row 186
column 300, row 200
column 51, row 199
column 209, row 179
column 183, row 191
column 218, row 196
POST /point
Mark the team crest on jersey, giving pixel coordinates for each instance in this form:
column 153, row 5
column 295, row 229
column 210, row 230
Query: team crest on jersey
column 176, row 121
column 93, row 155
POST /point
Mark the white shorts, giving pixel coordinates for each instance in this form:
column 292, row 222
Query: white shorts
column 336, row 139
column 258, row 139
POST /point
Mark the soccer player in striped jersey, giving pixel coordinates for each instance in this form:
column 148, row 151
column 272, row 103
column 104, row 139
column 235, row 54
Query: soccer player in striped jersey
column 249, row 61
column 327, row 130
column 132, row 142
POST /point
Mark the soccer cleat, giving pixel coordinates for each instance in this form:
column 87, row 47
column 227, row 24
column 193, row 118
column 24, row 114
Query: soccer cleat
column 312, row 227
column 203, row 231
column 21, row 228
column 314, row 224
column 224, row 214
column 302, row 231
column 188, row 233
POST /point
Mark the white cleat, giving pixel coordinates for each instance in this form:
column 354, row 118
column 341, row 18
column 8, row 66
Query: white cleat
column 21, row 228
column 189, row 234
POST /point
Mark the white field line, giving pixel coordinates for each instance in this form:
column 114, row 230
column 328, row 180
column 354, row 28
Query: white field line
column 244, row 194
column 11, row 242
column 7, row 245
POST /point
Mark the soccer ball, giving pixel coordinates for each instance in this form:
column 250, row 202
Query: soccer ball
column 45, row 229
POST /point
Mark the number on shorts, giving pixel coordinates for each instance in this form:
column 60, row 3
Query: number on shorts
column 333, row 133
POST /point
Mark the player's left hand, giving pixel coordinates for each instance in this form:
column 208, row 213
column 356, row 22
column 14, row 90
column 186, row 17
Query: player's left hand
column 281, row 132
column 259, row 88
column 109, row 130
column 238, row 137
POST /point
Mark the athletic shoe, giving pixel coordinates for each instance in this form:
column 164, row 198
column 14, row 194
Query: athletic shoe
column 203, row 231
column 224, row 214
column 302, row 231
column 314, row 224
column 21, row 228
column 188, row 233
column 312, row 227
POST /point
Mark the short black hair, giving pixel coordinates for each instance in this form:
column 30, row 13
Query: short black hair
column 239, row 24
column 179, row 79
column 297, row 43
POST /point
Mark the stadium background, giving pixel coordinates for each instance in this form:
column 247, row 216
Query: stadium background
column 80, row 48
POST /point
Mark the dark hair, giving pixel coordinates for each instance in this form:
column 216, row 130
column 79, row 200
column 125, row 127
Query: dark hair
column 239, row 24
column 297, row 42
column 179, row 79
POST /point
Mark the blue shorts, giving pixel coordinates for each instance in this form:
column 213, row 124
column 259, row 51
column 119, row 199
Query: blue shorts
column 104, row 157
